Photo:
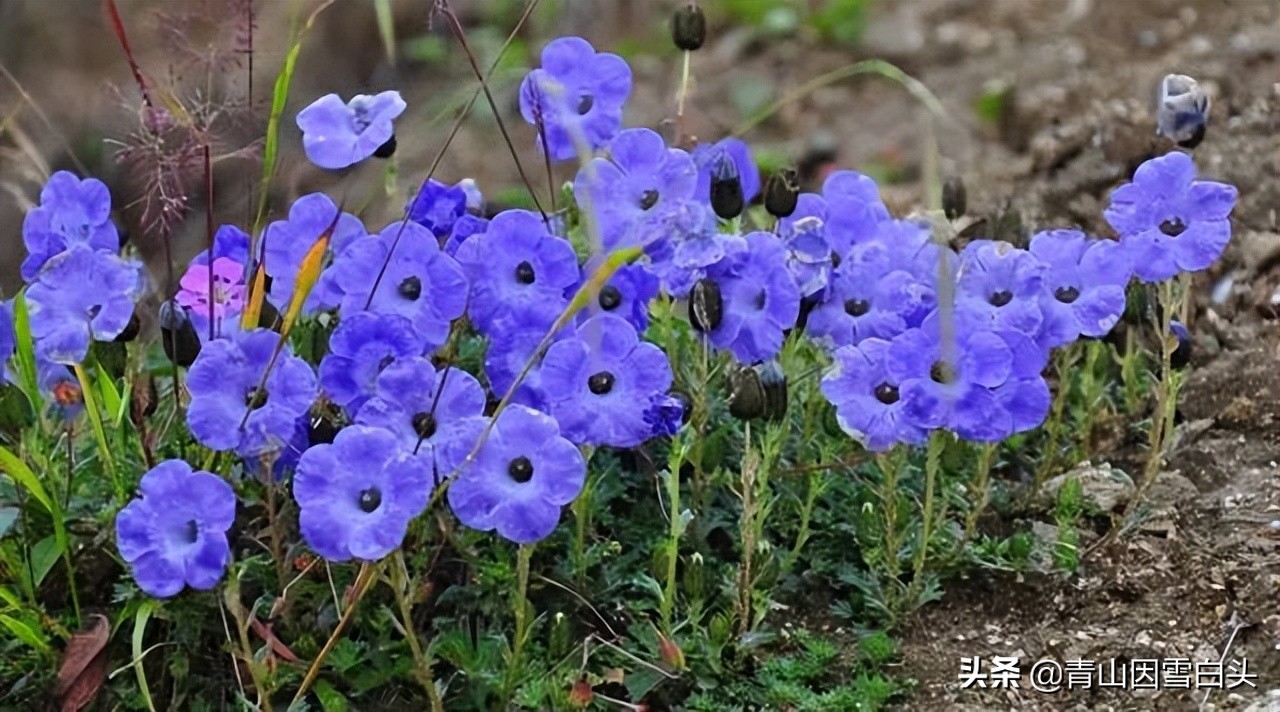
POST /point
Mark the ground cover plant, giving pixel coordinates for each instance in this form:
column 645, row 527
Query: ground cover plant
column 610, row 449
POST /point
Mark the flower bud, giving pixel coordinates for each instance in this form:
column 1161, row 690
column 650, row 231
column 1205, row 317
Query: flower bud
column 726, row 189
column 758, row 392
column 782, row 193
column 689, row 27
column 954, row 198
column 1181, row 355
column 670, row 653
column 178, row 335
column 706, row 305
column 1183, row 113
column 130, row 330
column 580, row 695
column 386, row 150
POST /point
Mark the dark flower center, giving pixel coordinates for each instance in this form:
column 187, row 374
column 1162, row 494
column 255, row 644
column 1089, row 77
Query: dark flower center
column 1066, row 295
column 410, row 288
column 759, row 302
column 942, row 372
column 600, row 383
column 856, row 307
column 585, row 102
column 520, row 469
column 386, row 361
column 836, row 259
column 1173, row 227
column 887, row 394
column 93, row 311
column 192, row 532
column 424, row 424
column 648, row 199
column 256, row 398
column 1000, row 298
column 370, row 499
column 524, row 273
column 610, row 298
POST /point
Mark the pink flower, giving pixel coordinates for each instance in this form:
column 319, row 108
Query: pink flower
column 228, row 289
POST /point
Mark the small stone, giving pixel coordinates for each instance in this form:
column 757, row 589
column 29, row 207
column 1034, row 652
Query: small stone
column 1103, row 486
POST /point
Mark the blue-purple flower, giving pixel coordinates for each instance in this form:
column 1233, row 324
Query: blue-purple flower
column 287, row 242
column 337, row 135
column 734, row 151
column 576, row 96
column 665, row 415
column 418, row 281
column 438, row 206
column 466, row 226
column 420, row 405
column 1001, row 285
column 71, row 212
column 638, row 179
column 224, row 385
column 867, row 397
column 357, row 495
column 599, row 383
column 627, row 293
column 230, row 242
column 853, row 211
column 522, row 276
column 1083, row 286
column 1168, row 221
column 360, row 349
column 508, row 354
column 175, row 534
column 80, row 296
column 760, row 299
column 521, row 477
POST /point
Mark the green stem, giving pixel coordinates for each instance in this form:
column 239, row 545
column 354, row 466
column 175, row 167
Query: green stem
column 933, row 457
column 890, row 465
column 519, row 601
column 99, row 433
column 1054, row 426
column 1167, row 387
column 982, row 490
column 676, row 458
column 581, row 508
column 400, row 584
column 747, row 530
column 814, row 487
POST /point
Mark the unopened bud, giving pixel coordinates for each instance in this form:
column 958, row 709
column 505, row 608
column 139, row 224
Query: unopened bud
column 689, row 27
column 670, row 653
column 758, row 392
column 1182, row 354
column 130, row 330
column 782, row 193
column 178, row 335
column 386, row 150
column 955, row 199
column 580, row 695
column 726, row 189
column 706, row 305
column 1183, row 113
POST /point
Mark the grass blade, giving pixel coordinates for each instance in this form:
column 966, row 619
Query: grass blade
column 25, row 354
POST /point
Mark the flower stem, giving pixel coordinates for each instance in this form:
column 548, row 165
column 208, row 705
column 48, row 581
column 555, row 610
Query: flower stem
column 933, row 458
column 890, row 465
column 358, row 589
column 99, row 433
column 519, row 601
column 400, row 584
column 1167, row 387
column 981, row 488
column 681, row 96
column 679, row 449
column 1054, row 426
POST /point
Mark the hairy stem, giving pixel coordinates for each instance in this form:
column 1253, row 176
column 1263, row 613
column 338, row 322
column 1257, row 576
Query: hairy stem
column 981, row 489
column 519, row 601
column 400, row 585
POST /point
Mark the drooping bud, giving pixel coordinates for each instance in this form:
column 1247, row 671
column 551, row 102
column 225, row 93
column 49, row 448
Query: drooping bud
column 1182, row 355
column 130, row 330
column 386, row 150
column 775, row 390
column 178, row 335
column 706, row 305
column 726, row 189
column 1183, row 113
column 689, row 27
column 955, row 199
column 758, row 392
column 782, row 193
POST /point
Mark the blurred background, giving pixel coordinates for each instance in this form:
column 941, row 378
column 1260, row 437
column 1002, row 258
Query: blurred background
column 1048, row 103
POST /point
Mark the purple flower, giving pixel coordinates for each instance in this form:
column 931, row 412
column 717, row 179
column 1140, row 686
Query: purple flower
column 683, row 242
column 287, row 242
column 760, row 299
column 809, row 256
column 71, row 212
column 438, row 206
column 1168, row 221
column 420, row 405
column 867, row 397
column 854, row 209
column 1083, row 287
column 223, row 383
column 8, row 338
column 360, row 349
column 228, row 296
column 521, row 275
column 523, row 473
column 664, row 416
column 60, row 384
column 81, row 295
column 230, row 242
column 175, row 534
column 337, row 135
column 599, row 383
column 626, row 294
column 467, row 226
column 866, row 301
column 505, row 359
column 357, row 495
column 418, row 281
column 734, row 150
column 1001, row 284
column 640, row 176
column 575, row 96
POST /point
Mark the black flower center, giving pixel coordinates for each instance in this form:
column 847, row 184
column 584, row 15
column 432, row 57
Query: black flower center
column 600, row 383
column 585, row 102
column 424, row 424
column 93, row 311
column 386, row 361
column 887, row 394
column 192, row 531
column 942, row 372
column 856, row 307
column 520, row 469
column 255, row 398
column 1173, row 227
column 410, row 288
column 836, row 259
column 760, row 299
column 648, row 199
column 1000, row 298
column 1066, row 295
column 610, row 298
column 370, row 499
column 524, row 273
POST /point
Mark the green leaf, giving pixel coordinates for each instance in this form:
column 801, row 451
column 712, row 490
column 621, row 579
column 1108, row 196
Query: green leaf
column 330, row 699
column 26, row 633
column 15, row 468
column 139, row 631
column 25, row 354
column 110, row 395
column 43, row 556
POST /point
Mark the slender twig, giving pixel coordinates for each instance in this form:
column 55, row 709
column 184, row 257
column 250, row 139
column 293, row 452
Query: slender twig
column 208, row 226
column 364, row 578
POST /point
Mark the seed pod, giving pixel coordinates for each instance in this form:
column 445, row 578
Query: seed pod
column 1183, row 113
column 689, row 27
column 1182, row 355
column 706, row 305
column 746, row 394
column 386, row 150
column 954, row 198
column 726, row 189
column 178, row 335
column 130, row 330
column 323, row 425
column 775, row 390
column 782, row 193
